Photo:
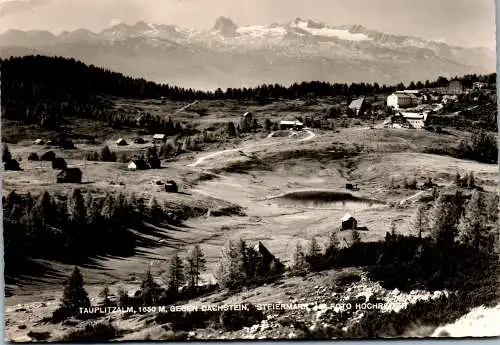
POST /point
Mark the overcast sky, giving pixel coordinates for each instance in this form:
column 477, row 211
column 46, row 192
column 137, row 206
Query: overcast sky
column 460, row 22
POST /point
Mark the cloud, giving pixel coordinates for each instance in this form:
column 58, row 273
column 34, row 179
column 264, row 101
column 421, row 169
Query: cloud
column 15, row 6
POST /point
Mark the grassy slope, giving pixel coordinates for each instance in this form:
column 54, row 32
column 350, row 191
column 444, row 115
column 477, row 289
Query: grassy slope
column 293, row 166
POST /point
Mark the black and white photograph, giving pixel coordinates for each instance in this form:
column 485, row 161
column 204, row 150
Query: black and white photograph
column 188, row 170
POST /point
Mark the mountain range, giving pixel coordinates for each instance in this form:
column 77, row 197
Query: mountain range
column 228, row 55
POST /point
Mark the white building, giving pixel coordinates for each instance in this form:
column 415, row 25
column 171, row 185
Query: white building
column 402, row 100
column 415, row 120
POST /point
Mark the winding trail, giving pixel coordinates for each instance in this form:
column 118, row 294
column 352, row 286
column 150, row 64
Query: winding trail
column 201, row 159
column 185, row 107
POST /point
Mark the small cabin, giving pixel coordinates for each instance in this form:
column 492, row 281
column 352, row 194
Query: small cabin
column 159, row 138
column 349, row 222
column 139, row 141
column 121, row 142
column 297, row 125
column 70, row 175
column 39, row 142
column 171, row 187
column 137, row 164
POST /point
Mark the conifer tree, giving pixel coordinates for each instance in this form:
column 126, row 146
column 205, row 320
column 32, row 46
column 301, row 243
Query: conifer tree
column 314, row 249
column 74, row 294
column 150, row 290
column 472, row 230
column 470, row 180
column 6, row 155
column 443, row 220
column 458, row 180
column 231, row 129
column 175, row 274
column 107, row 155
column 314, row 255
column 492, row 208
column 195, row 264
column 104, row 294
column 299, row 264
column 231, row 270
column 155, row 211
column 76, row 209
column 418, row 224
column 355, row 237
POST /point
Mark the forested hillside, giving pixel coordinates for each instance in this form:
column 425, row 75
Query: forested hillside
column 44, row 90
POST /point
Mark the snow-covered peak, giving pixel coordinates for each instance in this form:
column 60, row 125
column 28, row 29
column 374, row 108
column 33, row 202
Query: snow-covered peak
column 319, row 29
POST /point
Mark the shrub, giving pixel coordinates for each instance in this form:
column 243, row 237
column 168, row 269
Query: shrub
column 59, row 163
column 33, row 156
column 94, row 332
column 91, row 156
column 232, row 320
column 107, row 155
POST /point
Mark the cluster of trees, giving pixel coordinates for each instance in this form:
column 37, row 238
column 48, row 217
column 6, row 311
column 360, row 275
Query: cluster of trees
column 451, row 227
column 73, row 227
column 181, row 280
column 45, row 90
column 467, row 181
column 481, row 146
column 242, row 266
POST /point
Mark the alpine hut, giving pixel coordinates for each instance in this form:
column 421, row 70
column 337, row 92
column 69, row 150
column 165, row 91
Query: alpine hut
column 70, row 175
column 349, row 222
column 121, row 142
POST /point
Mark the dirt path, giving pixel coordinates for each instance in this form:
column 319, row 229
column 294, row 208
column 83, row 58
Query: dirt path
column 201, row 159
column 185, row 107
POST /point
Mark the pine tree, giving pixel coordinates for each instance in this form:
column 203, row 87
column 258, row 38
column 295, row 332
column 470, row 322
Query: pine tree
column 314, row 250
column 492, row 209
column 267, row 125
column 122, row 297
column 418, row 224
column 152, row 157
column 107, row 155
column 472, row 230
column 314, row 255
column 155, row 211
column 76, row 209
column 104, row 294
column 333, row 240
column 393, row 228
column 443, row 220
column 175, row 274
column 232, row 269
column 231, row 129
column 150, row 290
column 195, row 264
column 458, row 180
column 299, row 264
column 74, row 294
column 470, row 180
column 6, row 155
column 355, row 237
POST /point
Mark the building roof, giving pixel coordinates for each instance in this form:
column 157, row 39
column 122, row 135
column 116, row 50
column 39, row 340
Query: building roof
column 404, row 94
column 414, row 116
column 347, row 216
column 247, row 114
column 291, row 123
column 159, row 136
column 357, row 103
